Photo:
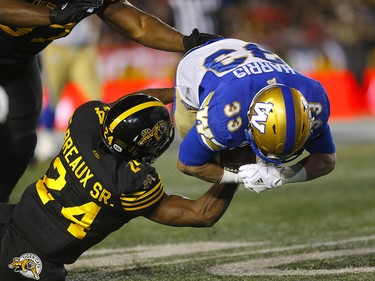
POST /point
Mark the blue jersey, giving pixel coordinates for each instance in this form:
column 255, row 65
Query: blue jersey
column 221, row 78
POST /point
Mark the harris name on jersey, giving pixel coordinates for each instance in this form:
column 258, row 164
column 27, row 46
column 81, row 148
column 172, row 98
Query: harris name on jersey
column 262, row 67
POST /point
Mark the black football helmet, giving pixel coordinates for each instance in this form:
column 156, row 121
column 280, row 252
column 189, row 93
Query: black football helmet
column 138, row 127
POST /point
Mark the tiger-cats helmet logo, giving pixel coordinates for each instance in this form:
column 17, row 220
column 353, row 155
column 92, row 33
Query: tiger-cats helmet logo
column 28, row 265
column 148, row 135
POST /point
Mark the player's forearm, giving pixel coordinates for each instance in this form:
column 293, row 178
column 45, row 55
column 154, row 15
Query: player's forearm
column 159, row 35
column 313, row 166
column 213, row 204
column 142, row 28
column 165, row 95
column 318, row 165
column 210, row 172
column 176, row 210
column 20, row 13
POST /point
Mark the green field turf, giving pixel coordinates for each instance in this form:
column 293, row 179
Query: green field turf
column 319, row 230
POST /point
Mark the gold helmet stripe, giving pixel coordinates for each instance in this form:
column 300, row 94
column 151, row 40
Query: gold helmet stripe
column 133, row 110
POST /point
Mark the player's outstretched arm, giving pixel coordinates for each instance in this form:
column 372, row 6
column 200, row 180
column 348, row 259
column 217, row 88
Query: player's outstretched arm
column 316, row 165
column 20, row 13
column 175, row 210
column 263, row 176
column 142, row 27
column 210, row 172
column 165, row 95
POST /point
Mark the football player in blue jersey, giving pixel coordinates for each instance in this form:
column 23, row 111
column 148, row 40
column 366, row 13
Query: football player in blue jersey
column 26, row 28
column 100, row 180
column 230, row 93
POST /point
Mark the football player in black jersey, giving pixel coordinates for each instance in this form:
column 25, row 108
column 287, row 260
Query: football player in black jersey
column 100, row 180
column 26, row 28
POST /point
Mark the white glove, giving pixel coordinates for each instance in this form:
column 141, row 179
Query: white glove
column 260, row 176
column 4, row 105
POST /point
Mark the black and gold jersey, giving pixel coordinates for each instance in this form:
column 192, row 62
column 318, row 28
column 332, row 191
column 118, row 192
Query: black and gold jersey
column 19, row 44
column 86, row 193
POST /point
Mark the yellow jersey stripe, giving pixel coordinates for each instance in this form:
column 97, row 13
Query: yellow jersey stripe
column 136, row 196
column 144, row 198
column 144, row 206
column 132, row 110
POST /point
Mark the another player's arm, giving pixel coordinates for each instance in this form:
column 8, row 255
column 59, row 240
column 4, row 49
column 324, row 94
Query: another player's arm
column 319, row 164
column 165, row 95
column 210, row 172
column 20, row 13
column 316, row 164
column 322, row 158
column 311, row 167
column 142, row 27
column 196, row 159
column 175, row 210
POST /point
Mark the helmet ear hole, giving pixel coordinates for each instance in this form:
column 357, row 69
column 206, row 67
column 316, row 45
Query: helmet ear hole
column 138, row 127
column 274, row 129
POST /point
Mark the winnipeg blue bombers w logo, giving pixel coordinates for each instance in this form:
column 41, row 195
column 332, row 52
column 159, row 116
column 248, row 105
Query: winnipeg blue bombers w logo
column 261, row 115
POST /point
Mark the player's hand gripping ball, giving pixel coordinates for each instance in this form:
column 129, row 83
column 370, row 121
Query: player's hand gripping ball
column 236, row 157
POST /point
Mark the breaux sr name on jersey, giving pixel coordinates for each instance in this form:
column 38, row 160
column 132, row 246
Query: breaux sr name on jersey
column 83, row 172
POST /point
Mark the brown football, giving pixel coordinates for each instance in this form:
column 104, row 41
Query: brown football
column 236, row 157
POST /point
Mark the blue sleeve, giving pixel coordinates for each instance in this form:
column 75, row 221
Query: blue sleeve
column 321, row 139
column 192, row 151
column 323, row 143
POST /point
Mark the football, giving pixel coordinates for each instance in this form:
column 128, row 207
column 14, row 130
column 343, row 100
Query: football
column 236, row 157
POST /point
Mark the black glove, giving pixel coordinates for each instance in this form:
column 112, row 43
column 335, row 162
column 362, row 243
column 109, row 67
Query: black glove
column 73, row 11
column 196, row 38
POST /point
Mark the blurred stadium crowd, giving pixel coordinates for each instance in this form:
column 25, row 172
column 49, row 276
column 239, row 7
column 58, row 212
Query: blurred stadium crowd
column 310, row 35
